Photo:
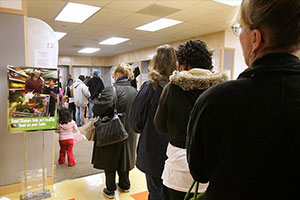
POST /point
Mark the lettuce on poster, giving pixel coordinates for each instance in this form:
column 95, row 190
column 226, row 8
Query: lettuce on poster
column 32, row 99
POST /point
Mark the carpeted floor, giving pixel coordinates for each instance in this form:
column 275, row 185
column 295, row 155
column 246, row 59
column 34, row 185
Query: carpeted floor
column 83, row 156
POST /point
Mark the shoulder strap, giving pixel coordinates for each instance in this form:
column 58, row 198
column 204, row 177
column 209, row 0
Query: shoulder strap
column 115, row 98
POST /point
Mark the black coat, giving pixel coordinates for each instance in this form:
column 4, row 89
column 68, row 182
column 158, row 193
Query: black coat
column 177, row 101
column 151, row 151
column 244, row 135
column 119, row 156
column 96, row 86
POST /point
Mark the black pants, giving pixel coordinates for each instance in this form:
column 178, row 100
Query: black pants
column 157, row 191
column 110, row 176
column 73, row 110
column 177, row 195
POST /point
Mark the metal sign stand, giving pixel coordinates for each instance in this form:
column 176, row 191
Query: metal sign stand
column 41, row 194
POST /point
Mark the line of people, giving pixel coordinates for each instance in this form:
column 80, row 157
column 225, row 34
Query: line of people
column 240, row 137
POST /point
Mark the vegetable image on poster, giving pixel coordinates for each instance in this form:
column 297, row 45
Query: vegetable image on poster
column 33, row 94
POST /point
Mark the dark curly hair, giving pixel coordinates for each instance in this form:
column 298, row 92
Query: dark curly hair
column 195, row 54
column 64, row 116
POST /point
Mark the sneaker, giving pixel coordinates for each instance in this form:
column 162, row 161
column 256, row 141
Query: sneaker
column 123, row 190
column 110, row 195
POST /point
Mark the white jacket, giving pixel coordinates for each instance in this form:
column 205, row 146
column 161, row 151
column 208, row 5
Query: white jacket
column 81, row 94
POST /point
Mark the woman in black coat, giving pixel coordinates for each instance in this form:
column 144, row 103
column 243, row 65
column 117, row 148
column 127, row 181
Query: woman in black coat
column 243, row 135
column 176, row 102
column 119, row 157
column 151, row 152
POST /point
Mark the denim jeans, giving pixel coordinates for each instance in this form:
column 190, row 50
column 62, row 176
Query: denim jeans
column 156, row 188
column 91, row 104
column 79, row 116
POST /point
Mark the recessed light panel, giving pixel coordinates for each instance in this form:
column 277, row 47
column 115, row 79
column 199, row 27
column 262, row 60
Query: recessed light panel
column 76, row 13
column 114, row 41
column 60, row 35
column 88, row 50
column 230, row 2
column 158, row 24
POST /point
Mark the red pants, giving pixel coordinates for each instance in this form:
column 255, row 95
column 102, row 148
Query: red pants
column 66, row 146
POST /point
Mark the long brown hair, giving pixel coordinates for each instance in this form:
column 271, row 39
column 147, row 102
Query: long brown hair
column 281, row 17
column 162, row 64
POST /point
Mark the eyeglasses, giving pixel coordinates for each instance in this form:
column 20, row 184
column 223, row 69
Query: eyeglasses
column 237, row 29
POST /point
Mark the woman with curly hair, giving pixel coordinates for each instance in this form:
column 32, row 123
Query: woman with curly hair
column 193, row 77
column 151, row 151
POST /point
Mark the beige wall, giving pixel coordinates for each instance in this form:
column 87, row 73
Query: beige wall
column 214, row 41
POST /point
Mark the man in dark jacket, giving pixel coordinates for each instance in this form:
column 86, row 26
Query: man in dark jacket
column 96, row 86
column 243, row 135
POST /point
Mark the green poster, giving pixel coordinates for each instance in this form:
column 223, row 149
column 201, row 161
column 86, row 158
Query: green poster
column 32, row 98
column 32, row 124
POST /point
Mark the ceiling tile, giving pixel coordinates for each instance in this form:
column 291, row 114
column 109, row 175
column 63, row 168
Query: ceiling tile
column 107, row 16
column 135, row 20
column 227, row 14
column 177, row 4
column 158, row 10
column 88, row 29
column 198, row 10
column 129, row 6
column 70, row 40
column 100, row 3
column 63, row 26
column 109, row 32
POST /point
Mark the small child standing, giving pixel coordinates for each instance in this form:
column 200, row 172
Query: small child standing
column 66, row 129
column 65, row 102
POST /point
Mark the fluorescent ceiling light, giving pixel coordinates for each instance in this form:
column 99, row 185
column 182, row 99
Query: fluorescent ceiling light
column 230, row 2
column 88, row 50
column 59, row 35
column 158, row 24
column 77, row 13
column 114, row 41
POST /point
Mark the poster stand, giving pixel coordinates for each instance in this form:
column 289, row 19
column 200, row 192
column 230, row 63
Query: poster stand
column 40, row 194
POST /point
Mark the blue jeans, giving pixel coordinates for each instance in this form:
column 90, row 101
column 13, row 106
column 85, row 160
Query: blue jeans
column 91, row 105
column 79, row 115
column 156, row 188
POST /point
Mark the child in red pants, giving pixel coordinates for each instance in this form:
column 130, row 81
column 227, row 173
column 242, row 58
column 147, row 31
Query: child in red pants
column 66, row 129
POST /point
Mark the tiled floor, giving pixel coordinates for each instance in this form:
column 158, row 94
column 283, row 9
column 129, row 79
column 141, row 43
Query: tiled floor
column 90, row 188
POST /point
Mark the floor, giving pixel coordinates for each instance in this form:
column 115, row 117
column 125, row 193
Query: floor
column 90, row 188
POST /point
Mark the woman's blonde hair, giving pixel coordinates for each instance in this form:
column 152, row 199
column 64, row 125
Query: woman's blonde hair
column 162, row 65
column 281, row 17
column 124, row 69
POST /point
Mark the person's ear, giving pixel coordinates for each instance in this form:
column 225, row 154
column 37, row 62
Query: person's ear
column 257, row 40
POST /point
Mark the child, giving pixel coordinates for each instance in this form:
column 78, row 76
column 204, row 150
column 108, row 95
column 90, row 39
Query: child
column 65, row 102
column 66, row 128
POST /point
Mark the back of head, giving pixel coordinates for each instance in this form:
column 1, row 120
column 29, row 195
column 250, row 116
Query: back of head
column 162, row 64
column 195, row 54
column 96, row 72
column 124, row 69
column 81, row 77
column 64, row 116
column 281, row 18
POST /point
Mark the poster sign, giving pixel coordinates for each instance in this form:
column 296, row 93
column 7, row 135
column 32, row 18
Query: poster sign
column 32, row 99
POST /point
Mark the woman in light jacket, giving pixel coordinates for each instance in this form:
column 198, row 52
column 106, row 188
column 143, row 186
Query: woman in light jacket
column 119, row 157
column 151, row 152
column 194, row 76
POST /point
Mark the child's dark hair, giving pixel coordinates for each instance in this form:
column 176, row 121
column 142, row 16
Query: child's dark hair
column 64, row 116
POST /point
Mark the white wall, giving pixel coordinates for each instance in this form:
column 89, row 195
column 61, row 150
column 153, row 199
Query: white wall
column 232, row 41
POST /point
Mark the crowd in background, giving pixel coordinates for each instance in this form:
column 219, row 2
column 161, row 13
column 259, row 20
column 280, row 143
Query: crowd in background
column 239, row 138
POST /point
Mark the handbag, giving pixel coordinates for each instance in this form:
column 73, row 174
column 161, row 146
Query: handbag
column 197, row 196
column 110, row 130
column 88, row 129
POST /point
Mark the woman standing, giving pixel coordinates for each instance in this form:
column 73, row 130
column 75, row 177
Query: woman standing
column 254, row 147
column 119, row 157
column 151, row 152
column 176, row 102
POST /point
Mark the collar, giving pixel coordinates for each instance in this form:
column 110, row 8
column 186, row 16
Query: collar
column 275, row 62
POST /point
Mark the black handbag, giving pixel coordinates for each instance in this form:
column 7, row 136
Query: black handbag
column 110, row 130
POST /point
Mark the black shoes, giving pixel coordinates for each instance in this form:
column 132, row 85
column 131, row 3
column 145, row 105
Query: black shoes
column 110, row 195
column 123, row 190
